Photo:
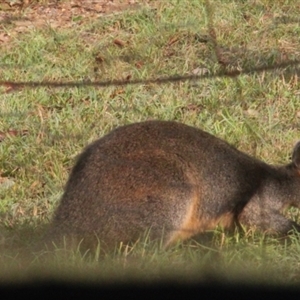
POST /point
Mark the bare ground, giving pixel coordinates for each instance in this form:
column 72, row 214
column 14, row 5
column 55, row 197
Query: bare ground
column 17, row 17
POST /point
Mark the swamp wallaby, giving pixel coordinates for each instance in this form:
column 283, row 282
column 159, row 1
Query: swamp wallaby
column 175, row 180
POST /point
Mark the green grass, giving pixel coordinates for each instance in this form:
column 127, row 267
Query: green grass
column 259, row 113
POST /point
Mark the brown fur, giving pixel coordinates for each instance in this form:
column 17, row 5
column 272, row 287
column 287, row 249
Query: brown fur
column 176, row 180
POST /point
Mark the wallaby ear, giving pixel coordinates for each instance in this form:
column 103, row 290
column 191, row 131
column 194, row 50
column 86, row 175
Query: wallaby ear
column 296, row 155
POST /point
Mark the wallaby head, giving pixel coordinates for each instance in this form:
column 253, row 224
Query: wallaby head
column 175, row 181
column 296, row 157
column 279, row 190
column 294, row 189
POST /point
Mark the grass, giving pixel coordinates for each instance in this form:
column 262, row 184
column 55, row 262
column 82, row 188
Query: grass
column 258, row 112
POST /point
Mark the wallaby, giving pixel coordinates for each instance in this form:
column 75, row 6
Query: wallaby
column 175, row 180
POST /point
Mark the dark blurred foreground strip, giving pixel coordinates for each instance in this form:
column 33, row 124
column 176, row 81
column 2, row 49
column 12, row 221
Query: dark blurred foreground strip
column 140, row 291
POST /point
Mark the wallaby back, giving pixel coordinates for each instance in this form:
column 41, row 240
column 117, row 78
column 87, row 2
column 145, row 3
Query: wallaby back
column 174, row 180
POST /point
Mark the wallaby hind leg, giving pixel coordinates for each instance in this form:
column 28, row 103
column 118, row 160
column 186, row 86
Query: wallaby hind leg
column 166, row 217
column 167, row 214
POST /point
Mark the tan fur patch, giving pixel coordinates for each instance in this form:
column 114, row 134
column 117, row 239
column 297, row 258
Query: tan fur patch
column 193, row 223
column 226, row 221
